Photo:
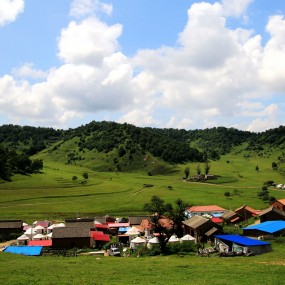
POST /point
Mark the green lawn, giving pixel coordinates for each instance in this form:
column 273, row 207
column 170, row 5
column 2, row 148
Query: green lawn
column 263, row 269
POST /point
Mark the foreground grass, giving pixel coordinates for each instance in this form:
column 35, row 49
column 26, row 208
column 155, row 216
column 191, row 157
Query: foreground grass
column 264, row 269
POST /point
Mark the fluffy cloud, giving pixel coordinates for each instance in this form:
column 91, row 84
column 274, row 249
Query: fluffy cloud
column 235, row 8
column 273, row 60
column 9, row 10
column 81, row 8
column 29, row 71
column 88, row 41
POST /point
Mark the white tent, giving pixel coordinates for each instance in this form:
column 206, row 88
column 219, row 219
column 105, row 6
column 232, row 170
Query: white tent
column 39, row 237
column 153, row 242
column 51, row 227
column 137, row 242
column 39, row 229
column 174, row 238
column 133, row 231
column 30, row 232
column 23, row 237
column 187, row 238
column 49, row 236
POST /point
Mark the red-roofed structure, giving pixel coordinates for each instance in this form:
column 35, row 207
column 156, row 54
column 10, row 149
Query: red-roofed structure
column 47, row 242
column 279, row 204
column 217, row 220
column 206, row 210
column 99, row 238
column 118, row 225
column 245, row 212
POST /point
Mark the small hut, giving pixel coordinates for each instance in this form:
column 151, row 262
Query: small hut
column 137, row 243
column 152, row 243
column 187, row 238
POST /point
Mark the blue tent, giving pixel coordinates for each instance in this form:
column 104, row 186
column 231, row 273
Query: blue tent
column 24, row 250
column 270, row 227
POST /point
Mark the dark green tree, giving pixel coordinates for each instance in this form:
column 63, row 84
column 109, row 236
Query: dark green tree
column 207, row 167
column 198, row 169
column 85, row 175
column 187, row 172
column 159, row 211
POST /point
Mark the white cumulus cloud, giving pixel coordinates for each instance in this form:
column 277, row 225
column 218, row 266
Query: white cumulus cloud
column 9, row 10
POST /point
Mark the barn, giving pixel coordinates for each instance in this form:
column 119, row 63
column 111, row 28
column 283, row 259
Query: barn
column 241, row 244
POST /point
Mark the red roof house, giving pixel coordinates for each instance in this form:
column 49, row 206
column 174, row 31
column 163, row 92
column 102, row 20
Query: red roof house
column 279, row 204
column 212, row 210
column 99, row 239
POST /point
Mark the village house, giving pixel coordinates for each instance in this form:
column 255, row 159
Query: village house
column 80, row 222
column 9, row 227
column 71, row 237
column 271, row 214
column 210, row 210
column 231, row 217
column 239, row 244
column 269, row 228
column 245, row 212
column 202, row 229
column 279, row 204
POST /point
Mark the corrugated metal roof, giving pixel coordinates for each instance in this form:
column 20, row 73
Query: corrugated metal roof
column 195, row 221
column 11, row 224
column 24, row 250
column 242, row 240
column 268, row 227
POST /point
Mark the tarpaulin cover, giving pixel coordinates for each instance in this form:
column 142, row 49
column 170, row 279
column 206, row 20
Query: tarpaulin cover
column 24, row 250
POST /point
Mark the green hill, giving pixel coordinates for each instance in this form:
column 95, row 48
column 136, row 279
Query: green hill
column 126, row 165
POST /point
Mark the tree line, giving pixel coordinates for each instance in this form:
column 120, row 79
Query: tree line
column 12, row 162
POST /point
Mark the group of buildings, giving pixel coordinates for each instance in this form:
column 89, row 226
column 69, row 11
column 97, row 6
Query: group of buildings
column 204, row 223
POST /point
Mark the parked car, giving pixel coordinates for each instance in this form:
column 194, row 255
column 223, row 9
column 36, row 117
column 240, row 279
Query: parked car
column 114, row 251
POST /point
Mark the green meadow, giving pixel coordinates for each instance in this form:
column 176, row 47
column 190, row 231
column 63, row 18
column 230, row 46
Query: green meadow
column 53, row 194
column 264, row 269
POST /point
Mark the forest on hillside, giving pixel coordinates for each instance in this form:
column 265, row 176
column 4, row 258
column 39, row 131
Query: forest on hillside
column 19, row 143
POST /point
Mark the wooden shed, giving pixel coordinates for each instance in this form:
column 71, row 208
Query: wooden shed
column 271, row 214
column 201, row 228
column 10, row 227
column 71, row 237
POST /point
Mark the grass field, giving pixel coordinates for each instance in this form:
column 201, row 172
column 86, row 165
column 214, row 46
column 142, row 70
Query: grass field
column 53, row 195
column 264, row 269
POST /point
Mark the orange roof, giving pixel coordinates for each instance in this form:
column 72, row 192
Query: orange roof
column 210, row 208
column 281, row 201
column 247, row 208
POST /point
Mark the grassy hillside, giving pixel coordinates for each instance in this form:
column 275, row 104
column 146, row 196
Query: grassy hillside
column 54, row 195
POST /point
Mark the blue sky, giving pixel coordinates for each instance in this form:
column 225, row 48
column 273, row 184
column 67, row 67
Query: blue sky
column 164, row 63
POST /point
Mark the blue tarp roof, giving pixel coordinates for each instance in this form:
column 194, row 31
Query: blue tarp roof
column 268, row 227
column 24, row 250
column 124, row 229
column 242, row 240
